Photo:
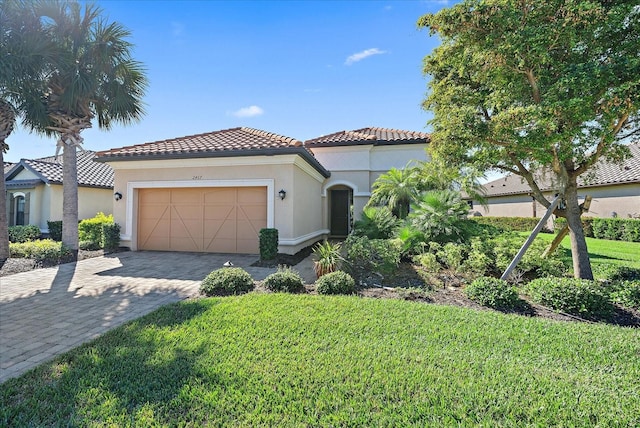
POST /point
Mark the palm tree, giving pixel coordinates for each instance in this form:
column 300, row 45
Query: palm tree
column 440, row 215
column 397, row 189
column 24, row 51
column 93, row 77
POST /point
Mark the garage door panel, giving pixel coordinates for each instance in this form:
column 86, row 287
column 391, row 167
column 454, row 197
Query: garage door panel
column 202, row 219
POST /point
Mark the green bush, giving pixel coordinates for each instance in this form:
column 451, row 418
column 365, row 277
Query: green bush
column 285, row 279
column 580, row 297
column 376, row 223
column 452, row 255
column 587, row 225
column 327, row 257
column 373, row 255
column 40, row 250
column 337, row 282
column 493, row 293
column 110, row 236
column 268, row 243
column 625, row 229
column 631, row 230
column 18, row 234
column 514, row 224
column 627, row 294
column 90, row 229
column 227, row 280
column 88, row 245
column 428, row 261
column 55, row 229
column 479, row 260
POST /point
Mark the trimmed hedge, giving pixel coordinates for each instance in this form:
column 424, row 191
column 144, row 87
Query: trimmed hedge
column 337, row 282
column 227, row 280
column 110, row 236
column 284, row 280
column 268, row 243
column 40, row 250
column 90, row 229
column 516, row 224
column 617, row 229
column 493, row 293
column 55, row 230
column 19, row 234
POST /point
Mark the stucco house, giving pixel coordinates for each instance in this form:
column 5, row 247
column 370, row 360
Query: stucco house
column 213, row 192
column 615, row 189
column 34, row 189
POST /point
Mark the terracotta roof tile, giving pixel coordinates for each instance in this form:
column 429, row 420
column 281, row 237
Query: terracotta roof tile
column 375, row 136
column 90, row 172
column 227, row 140
column 604, row 173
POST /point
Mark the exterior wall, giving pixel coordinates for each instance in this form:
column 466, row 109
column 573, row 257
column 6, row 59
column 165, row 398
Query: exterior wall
column 94, row 200
column 274, row 172
column 621, row 199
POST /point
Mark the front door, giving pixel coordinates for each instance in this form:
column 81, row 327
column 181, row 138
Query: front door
column 340, row 217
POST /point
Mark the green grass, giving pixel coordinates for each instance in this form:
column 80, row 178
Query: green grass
column 302, row 360
column 602, row 252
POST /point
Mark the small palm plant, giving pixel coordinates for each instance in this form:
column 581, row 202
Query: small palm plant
column 327, row 258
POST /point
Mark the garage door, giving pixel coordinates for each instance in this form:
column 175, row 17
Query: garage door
column 218, row 219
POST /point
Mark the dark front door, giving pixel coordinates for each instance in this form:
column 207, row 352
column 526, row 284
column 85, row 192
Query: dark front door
column 340, row 202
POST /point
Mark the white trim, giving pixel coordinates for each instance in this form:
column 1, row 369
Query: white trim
column 18, row 194
column 269, row 183
column 311, row 171
column 285, row 159
column 353, row 187
column 303, row 238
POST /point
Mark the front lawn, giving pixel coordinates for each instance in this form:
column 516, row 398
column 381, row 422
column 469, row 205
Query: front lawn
column 303, row 360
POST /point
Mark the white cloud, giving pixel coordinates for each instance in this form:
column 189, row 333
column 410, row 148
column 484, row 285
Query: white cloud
column 250, row 111
column 362, row 55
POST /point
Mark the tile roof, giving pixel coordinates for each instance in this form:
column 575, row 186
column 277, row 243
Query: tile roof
column 7, row 166
column 224, row 143
column 90, row 172
column 604, row 173
column 374, row 136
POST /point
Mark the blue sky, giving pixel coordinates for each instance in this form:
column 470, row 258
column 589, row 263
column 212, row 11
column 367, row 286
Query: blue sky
column 297, row 68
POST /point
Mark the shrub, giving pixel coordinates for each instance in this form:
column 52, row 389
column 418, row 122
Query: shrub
column 327, row 258
column 285, row 279
column 227, row 280
column 440, row 215
column 373, row 255
column 88, row 245
column 514, row 224
column 55, row 230
column 479, row 260
column 110, row 236
column 428, row 261
column 413, row 241
column 90, row 229
column 376, row 223
column 587, row 225
column 627, row 294
column 40, row 250
column 575, row 296
column 268, row 243
column 452, row 255
column 631, row 230
column 493, row 293
column 20, row 234
column 337, row 282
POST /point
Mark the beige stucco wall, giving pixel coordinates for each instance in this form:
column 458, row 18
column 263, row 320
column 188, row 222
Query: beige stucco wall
column 90, row 201
column 276, row 172
column 623, row 199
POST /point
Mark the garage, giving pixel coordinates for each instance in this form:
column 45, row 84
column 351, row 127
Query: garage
column 210, row 219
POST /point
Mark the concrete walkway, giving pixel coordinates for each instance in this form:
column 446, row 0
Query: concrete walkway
column 46, row 312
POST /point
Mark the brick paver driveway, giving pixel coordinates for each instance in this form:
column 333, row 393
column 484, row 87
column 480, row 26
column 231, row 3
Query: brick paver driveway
column 49, row 311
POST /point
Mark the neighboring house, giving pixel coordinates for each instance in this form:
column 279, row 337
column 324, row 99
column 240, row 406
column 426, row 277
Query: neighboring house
column 213, row 192
column 615, row 189
column 6, row 166
column 34, row 190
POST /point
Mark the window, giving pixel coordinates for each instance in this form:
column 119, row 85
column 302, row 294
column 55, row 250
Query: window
column 20, row 205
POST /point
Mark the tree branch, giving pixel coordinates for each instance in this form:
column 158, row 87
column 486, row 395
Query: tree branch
column 534, row 85
column 588, row 162
column 528, row 176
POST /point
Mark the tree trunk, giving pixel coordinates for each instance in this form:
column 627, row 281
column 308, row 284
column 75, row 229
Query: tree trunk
column 7, row 122
column 70, row 198
column 579, row 252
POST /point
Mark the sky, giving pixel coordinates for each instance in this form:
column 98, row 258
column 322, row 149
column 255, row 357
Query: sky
column 301, row 69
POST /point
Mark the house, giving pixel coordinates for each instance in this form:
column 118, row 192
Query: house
column 615, row 189
column 34, row 190
column 6, row 166
column 213, row 192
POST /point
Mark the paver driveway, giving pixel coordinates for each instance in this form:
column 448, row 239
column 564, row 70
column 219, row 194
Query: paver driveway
column 49, row 311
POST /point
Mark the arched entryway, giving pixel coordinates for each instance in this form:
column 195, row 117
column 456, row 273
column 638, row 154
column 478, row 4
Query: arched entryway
column 340, row 210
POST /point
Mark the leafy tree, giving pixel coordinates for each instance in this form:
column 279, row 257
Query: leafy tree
column 397, row 189
column 23, row 51
column 93, row 76
column 527, row 86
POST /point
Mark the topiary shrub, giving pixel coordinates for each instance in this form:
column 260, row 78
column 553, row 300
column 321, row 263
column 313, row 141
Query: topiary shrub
column 55, row 230
column 337, row 282
column 227, row 280
column 20, row 234
column 91, row 229
column 627, row 294
column 43, row 250
column 88, row 245
column 268, row 243
column 580, row 297
column 493, row 293
column 285, row 280
column 110, row 236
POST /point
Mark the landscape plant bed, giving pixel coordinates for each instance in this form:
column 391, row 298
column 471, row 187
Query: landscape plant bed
column 302, row 360
column 16, row 265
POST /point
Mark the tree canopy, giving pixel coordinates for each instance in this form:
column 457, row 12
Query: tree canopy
column 522, row 86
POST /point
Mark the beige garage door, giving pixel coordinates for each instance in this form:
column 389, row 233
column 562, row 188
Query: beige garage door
column 217, row 219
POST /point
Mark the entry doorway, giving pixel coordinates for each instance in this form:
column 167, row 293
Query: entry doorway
column 340, row 211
